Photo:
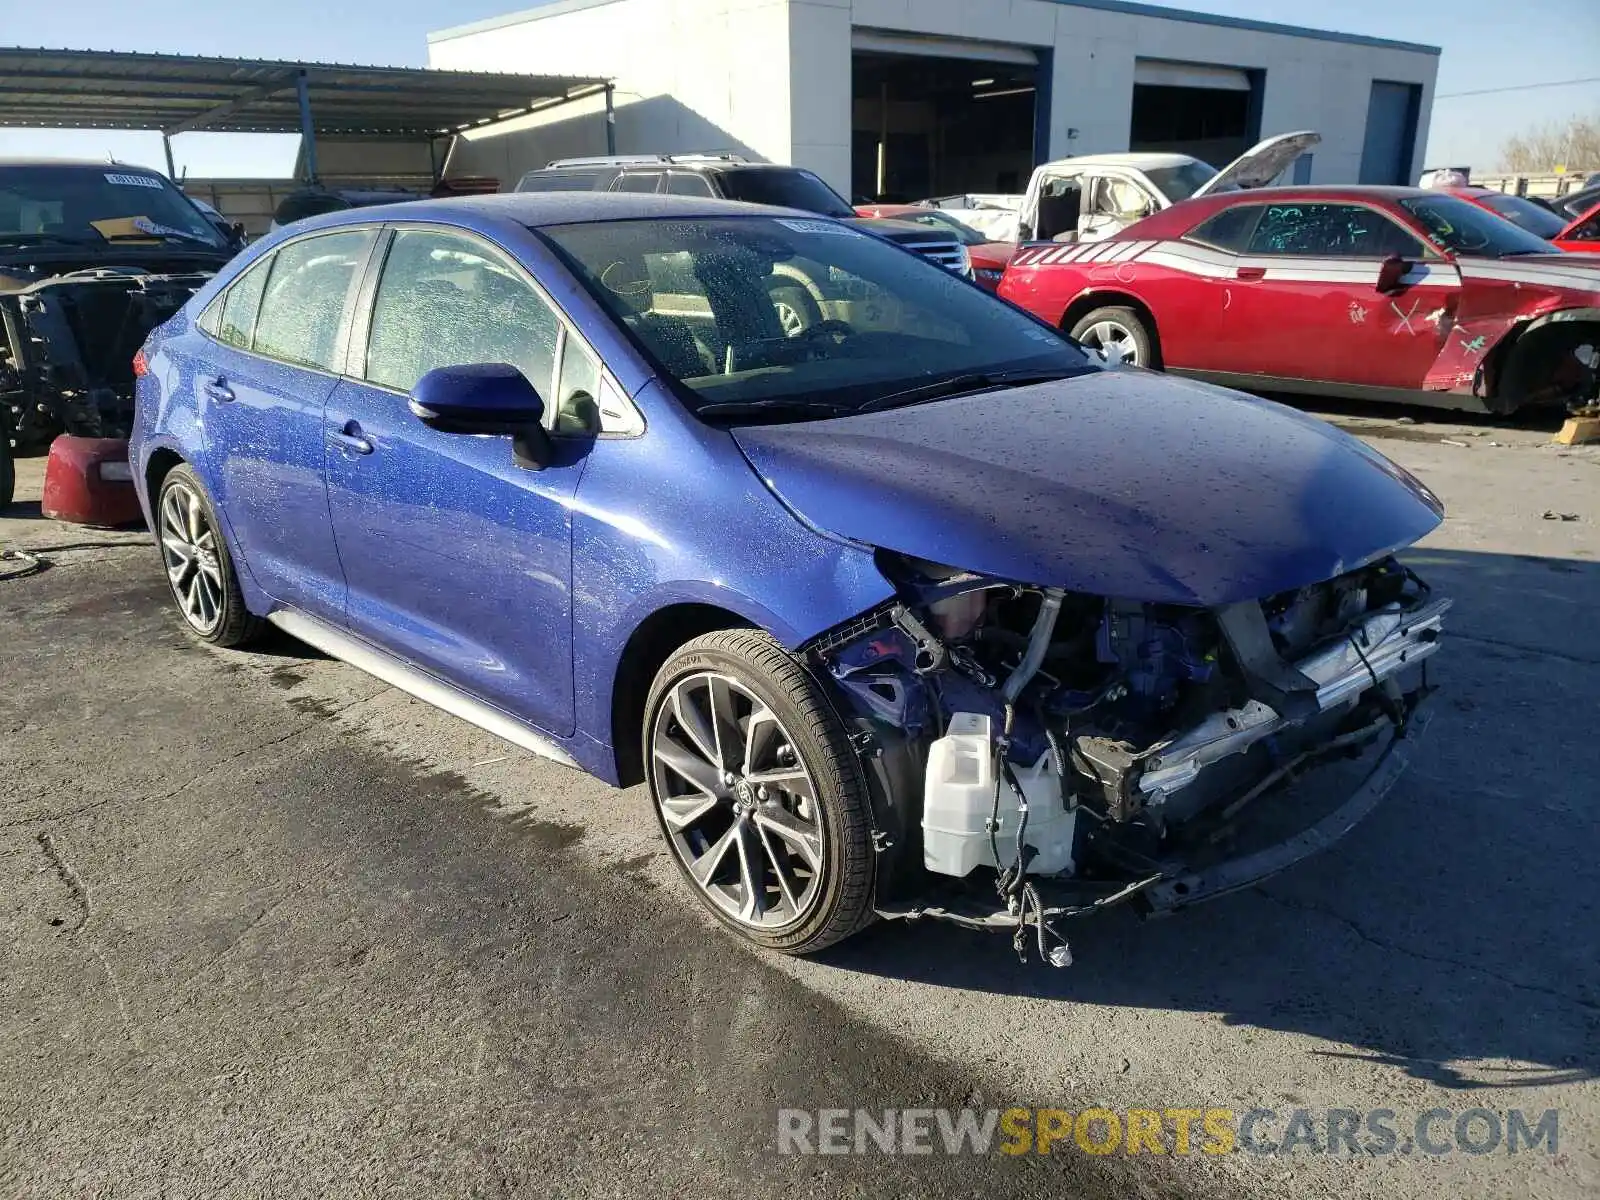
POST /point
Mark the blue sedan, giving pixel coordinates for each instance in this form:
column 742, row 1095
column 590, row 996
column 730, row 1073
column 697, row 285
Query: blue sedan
column 898, row 601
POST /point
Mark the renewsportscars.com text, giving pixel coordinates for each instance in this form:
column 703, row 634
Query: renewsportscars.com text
column 1180, row 1131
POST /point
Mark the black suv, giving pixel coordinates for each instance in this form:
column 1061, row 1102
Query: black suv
column 733, row 178
column 93, row 256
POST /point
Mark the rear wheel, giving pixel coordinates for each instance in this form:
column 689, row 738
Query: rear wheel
column 758, row 792
column 1118, row 335
column 199, row 568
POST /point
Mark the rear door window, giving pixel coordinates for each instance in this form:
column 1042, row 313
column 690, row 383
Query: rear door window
column 1331, row 231
column 637, row 181
column 684, row 183
column 302, row 309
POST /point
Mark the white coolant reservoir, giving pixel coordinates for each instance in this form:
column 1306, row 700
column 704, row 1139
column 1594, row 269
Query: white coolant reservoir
column 959, row 800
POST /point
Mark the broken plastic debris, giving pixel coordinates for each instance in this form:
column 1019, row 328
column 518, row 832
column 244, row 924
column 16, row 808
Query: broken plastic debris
column 1551, row 514
column 1452, row 442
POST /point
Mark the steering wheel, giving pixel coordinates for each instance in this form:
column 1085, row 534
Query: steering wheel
column 832, row 327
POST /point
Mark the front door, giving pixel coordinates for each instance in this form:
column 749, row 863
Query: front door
column 456, row 558
column 1303, row 302
column 262, row 384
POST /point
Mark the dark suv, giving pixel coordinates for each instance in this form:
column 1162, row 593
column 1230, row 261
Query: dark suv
column 93, row 256
column 733, row 178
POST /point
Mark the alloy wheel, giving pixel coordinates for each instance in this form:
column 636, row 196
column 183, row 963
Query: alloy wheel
column 790, row 319
column 189, row 551
column 1112, row 342
column 738, row 805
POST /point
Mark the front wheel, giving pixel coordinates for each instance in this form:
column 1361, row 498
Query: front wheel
column 1118, row 335
column 758, row 792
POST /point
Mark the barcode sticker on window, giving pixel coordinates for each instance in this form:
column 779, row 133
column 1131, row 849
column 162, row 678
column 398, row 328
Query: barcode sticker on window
column 144, row 181
column 818, row 227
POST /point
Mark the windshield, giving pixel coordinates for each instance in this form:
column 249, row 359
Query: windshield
column 800, row 317
column 1535, row 218
column 1461, row 227
column 97, row 204
column 785, row 188
column 1179, row 183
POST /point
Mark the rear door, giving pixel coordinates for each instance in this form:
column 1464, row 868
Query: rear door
column 458, row 559
column 274, row 362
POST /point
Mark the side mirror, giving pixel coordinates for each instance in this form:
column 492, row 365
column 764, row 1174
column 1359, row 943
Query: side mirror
column 1392, row 274
column 485, row 398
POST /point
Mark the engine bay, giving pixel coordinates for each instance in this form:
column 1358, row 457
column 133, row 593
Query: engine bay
column 1049, row 736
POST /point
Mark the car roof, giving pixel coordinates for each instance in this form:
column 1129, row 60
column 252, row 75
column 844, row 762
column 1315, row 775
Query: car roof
column 537, row 209
column 87, row 164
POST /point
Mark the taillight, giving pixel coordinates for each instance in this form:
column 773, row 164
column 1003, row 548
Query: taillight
column 141, row 365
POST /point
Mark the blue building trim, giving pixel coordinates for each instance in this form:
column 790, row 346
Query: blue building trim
column 552, row 8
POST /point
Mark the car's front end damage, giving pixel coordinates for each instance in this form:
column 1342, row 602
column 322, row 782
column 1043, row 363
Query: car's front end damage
column 1128, row 611
column 68, row 334
column 1128, row 744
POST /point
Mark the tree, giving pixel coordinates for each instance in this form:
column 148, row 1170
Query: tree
column 1574, row 145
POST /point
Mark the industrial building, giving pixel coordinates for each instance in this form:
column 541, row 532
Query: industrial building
column 928, row 97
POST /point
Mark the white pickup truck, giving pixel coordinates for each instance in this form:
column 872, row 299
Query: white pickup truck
column 1093, row 196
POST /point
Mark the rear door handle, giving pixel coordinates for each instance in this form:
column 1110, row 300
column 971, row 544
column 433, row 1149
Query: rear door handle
column 350, row 438
column 1250, row 273
column 218, row 389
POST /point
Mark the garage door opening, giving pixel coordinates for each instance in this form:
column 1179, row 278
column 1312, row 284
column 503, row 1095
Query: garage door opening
column 1210, row 112
column 930, row 123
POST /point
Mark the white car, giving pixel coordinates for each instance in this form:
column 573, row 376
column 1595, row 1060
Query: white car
column 1094, row 196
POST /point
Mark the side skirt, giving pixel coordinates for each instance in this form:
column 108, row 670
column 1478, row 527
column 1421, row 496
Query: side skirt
column 1459, row 401
column 402, row 675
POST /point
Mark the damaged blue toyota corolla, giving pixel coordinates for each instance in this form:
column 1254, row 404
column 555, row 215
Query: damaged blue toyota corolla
column 898, row 601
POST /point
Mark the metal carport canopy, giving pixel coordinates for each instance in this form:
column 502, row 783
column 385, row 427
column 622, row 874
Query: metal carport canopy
column 175, row 93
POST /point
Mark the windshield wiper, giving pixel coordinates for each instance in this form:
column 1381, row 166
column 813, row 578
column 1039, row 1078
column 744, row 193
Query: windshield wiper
column 41, row 239
column 776, row 406
column 958, row 385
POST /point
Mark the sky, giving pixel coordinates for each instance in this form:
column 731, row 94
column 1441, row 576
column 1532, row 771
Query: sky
column 1487, row 44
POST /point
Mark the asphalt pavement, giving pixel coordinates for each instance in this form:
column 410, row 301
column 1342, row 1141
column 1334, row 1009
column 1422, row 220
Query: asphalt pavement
column 268, row 928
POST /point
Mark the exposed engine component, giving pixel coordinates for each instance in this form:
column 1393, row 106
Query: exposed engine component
column 67, row 344
column 1074, row 737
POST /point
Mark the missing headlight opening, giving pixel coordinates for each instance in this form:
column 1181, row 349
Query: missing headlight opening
column 1054, row 753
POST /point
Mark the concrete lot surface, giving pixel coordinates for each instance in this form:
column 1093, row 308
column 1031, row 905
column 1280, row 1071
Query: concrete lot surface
column 268, row 928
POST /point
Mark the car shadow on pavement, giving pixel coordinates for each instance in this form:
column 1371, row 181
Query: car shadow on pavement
column 1451, row 936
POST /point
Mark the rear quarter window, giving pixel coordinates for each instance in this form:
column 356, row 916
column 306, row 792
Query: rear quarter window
column 1228, row 230
column 559, row 181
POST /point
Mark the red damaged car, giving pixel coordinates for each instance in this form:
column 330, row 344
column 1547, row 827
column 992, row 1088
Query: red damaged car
column 989, row 259
column 1381, row 293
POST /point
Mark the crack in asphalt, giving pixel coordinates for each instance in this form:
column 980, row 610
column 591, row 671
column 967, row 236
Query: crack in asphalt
column 1442, row 960
column 68, row 874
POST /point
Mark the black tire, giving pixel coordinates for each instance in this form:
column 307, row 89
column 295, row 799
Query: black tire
column 1139, row 335
column 227, row 622
column 841, row 901
column 8, row 467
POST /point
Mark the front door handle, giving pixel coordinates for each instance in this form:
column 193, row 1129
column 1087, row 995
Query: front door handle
column 1250, row 273
column 218, row 389
column 351, row 438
